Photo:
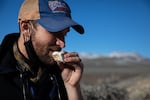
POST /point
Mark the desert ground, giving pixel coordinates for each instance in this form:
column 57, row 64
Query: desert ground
column 116, row 79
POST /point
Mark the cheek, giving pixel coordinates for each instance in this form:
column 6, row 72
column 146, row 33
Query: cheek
column 42, row 51
column 42, row 44
column 39, row 44
column 46, row 39
column 40, row 48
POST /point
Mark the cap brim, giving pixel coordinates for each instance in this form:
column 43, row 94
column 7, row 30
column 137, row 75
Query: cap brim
column 58, row 23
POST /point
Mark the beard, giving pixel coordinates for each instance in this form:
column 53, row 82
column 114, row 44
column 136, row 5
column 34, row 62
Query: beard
column 44, row 52
column 43, row 49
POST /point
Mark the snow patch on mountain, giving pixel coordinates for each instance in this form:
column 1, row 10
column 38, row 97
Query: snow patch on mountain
column 118, row 55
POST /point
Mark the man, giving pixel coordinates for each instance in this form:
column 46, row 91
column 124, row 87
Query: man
column 27, row 69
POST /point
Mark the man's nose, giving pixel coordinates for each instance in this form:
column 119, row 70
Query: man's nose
column 60, row 43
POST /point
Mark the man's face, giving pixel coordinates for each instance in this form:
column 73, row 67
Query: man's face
column 45, row 43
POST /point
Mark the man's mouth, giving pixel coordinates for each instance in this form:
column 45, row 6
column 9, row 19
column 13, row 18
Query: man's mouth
column 54, row 48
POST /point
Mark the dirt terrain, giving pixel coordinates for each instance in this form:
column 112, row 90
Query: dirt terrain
column 116, row 79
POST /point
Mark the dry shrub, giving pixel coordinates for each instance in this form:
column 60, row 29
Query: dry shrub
column 103, row 92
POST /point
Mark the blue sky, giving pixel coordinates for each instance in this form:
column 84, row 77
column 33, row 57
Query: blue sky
column 110, row 25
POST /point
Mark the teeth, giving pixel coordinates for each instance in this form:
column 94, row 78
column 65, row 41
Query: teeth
column 58, row 56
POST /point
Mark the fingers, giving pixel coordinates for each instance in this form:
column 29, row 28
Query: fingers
column 71, row 61
column 72, row 57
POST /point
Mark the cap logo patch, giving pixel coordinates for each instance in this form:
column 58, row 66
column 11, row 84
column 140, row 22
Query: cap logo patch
column 57, row 7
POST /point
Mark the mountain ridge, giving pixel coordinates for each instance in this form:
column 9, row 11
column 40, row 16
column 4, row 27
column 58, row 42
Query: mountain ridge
column 118, row 55
column 117, row 58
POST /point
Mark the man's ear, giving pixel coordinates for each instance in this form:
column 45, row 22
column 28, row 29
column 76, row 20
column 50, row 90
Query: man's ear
column 25, row 30
column 24, row 26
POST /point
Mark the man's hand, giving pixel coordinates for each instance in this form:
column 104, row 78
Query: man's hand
column 72, row 68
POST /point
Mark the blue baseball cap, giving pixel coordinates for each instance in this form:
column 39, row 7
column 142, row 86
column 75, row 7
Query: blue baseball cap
column 53, row 15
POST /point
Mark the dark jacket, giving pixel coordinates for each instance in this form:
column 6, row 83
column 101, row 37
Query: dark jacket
column 16, row 85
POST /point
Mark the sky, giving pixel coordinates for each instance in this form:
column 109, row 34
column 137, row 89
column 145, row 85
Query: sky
column 110, row 25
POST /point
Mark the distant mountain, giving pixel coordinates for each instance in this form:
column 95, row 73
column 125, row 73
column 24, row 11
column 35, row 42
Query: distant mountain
column 114, row 58
column 113, row 55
